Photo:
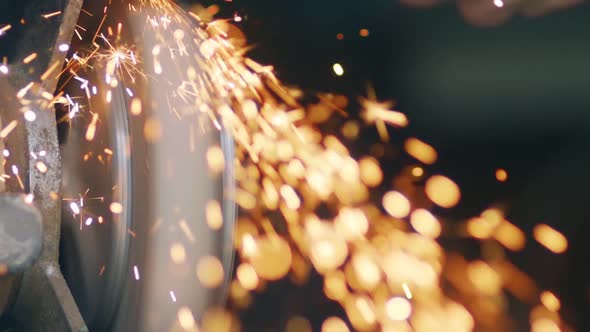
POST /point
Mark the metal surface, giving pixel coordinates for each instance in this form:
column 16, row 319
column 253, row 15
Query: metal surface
column 94, row 259
column 43, row 293
column 20, row 233
column 162, row 186
column 9, row 283
column 180, row 185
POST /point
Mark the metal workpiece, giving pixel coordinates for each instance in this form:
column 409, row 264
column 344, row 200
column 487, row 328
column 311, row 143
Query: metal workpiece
column 44, row 302
column 21, row 234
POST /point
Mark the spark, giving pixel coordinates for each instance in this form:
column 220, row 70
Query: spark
column 499, row 3
column 338, row 69
column 187, row 231
column 22, row 92
column 173, row 296
column 8, row 129
column 550, row 301
column 135, row 272
column 116, row 208
column 135, row 106
column 15, row 172
column 48, row 15
column 177, row 253
column 398, row 308
column 30, row 58
column 550, row 238
column 41, row 167
column 91, row 131
column 75, row 208
column 186, row 318
column 420, row 150
column 5, row 28
column 407, row 291
column 29, row 198
column 30, row 116
column 501, row 175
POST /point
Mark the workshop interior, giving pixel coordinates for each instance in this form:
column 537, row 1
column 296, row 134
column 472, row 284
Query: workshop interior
column 297, row 166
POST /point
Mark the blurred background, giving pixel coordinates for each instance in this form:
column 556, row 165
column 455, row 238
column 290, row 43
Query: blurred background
column 515, row 97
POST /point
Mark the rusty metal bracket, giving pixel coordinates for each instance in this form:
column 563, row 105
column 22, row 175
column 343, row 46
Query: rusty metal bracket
column 44, row 302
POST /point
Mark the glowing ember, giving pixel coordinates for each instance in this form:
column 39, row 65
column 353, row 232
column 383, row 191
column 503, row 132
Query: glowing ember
column 210, row 272
column 421, row 151
column 334, row 324
column 550, row 301
column 398, row 308
column 442, row 191
column 396, row 204
column 273, row 258
column 247, row 276
column 550, row 238
column 186, row 319
column 177, row 253
column 499, row 3
column 425, row 223
column 501, row 175
column 338, row 69
column 116, row 207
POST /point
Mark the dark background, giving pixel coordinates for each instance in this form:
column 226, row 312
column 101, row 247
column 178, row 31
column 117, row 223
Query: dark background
column 515, row 96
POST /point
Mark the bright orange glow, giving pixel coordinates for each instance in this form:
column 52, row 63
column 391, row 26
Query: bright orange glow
column 501, row 175
column 177, row 253
column 420, row 150
column 417, row 171
column 215, row 159
column 152, row 130
column 116, row 207
column 544, row 325
column 334, row 324
column 550, row 301
column 425, row 223
column 396, row 204
column 484, row 278
column 213, row 215
column 335, row 286
column 210, row 272
column 398, row 308
column 442, row 191
column 371, row 173
column 510, row 236
column 364, row 32
column 247, row 276
column 185, row 318
column 272, row 259
column 550, row 238
column 338, row 69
